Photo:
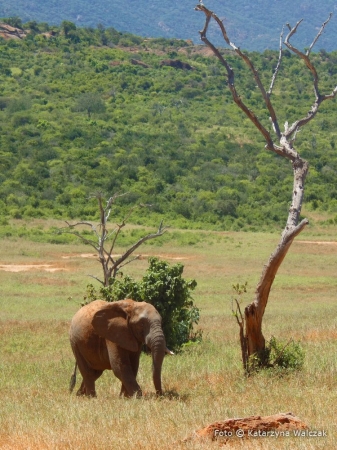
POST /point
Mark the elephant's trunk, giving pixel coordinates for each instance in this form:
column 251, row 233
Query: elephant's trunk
column 156, row 342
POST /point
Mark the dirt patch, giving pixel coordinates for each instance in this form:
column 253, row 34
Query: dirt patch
column 58, row 267
column 230, row 430
column 167, row 256
column 81, row 255
column 317, row 242
column 315, row 247
column 26, row 267
column 142, row 256
column 52, row 267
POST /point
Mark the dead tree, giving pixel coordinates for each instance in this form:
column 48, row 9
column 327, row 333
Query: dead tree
column 105, row 240
column 250, row 322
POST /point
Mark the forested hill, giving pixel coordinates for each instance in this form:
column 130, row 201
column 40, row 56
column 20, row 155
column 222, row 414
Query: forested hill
column 87, row 110
column 253, row 25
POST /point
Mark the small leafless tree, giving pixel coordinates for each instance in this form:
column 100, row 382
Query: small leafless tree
column 105, row 240
column 250, row 321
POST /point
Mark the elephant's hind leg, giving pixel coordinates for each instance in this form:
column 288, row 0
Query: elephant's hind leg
column 89, row 376
column 81, row 390
column 88, row 384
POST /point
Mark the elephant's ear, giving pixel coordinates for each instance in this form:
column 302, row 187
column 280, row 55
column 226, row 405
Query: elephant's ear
column 111, row 322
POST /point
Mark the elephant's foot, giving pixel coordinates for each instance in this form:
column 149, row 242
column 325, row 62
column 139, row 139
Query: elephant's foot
column 80, row 393
column 124, row 393
column 81, row 390
column 85, row 391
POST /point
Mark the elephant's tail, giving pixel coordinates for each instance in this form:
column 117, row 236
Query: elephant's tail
column 73, row 380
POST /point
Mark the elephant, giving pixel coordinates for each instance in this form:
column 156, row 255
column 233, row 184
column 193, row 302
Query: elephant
column 109, row 336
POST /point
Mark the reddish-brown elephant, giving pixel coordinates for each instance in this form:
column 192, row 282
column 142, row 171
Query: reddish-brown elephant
column 109, row 336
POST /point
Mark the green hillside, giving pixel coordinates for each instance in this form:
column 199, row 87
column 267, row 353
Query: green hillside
column 253, row 25
column 94, row 109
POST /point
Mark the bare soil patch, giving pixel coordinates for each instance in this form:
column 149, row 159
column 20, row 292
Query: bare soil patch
column 318, row 242
column 54, row 267
column 142, row 256
column 26, row 267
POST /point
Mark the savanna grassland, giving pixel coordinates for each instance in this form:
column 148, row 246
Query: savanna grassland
column 204, row 383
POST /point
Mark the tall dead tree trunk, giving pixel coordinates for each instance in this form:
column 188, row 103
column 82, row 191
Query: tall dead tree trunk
column 251, row 336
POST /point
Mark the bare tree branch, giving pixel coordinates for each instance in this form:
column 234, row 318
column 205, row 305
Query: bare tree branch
column 209, row 14
column 319, row 34
column 278, row 65
column 96, row 278
column 160, row 232
column 251, row 337
column 243, row 339
column 110, row 264
column 75, row 233
column 130, row 261
column 305, row 56
column 93, row 228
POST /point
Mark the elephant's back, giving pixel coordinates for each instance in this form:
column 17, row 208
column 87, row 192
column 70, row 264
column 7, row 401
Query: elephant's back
column 80, row 326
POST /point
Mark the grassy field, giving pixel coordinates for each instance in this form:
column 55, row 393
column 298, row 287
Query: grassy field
column 204, row 384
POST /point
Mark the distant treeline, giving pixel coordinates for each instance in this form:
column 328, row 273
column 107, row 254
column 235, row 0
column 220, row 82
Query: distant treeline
column 93, row 109
column 252, row 25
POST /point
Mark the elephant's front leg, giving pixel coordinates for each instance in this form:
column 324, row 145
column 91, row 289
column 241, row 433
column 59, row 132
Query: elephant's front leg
column 124, row 366
column 134, row 360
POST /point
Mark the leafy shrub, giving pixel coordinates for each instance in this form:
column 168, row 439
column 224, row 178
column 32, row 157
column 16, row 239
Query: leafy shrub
column 4, row 101
column 90, row 102
column 282, row 356
column 19, row 104
column 163, row 287
column 16, row 213
column 14, row 21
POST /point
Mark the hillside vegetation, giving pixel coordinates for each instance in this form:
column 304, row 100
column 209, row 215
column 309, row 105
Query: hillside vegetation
column 253, row 25
column 85, row 110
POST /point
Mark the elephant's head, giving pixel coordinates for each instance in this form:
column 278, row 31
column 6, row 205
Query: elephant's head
column 129, row 324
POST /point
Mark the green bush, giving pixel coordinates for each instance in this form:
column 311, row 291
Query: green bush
column 163, row 287
column 281, row 356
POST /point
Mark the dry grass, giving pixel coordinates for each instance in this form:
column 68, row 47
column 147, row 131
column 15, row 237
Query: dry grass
column 203, row 385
